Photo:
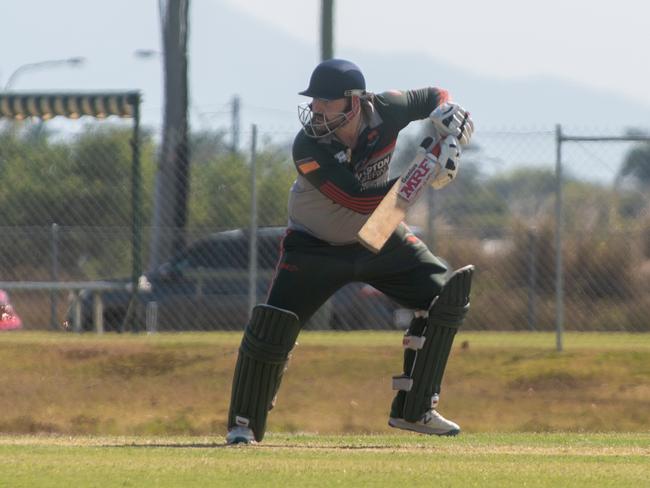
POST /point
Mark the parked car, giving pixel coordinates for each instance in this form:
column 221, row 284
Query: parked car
column 205, row 287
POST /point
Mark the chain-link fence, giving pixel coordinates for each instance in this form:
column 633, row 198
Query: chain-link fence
column 67, row 215
column 584, row 193
column 605, row 214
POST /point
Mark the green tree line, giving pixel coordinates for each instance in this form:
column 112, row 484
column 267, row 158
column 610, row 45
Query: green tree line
column 83, row 184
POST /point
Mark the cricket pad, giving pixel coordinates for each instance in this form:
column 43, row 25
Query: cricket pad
column 445, row 316
column 268, row 339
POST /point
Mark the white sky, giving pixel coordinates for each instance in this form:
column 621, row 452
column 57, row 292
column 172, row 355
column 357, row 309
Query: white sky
column 598, row 43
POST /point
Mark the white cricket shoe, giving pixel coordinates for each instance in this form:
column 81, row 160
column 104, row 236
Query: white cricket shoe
column 431, row 423
column 240, row 435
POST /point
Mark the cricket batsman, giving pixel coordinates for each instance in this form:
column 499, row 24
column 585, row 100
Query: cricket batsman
column 342, row 156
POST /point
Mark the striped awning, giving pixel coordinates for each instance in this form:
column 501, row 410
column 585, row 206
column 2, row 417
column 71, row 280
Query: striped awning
column 20, row 106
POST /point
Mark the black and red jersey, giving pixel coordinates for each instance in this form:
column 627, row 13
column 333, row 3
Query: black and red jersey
column 338, row 188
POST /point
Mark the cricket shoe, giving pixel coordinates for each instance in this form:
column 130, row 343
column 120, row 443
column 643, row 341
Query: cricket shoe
column 431, row 423
column 240, row 435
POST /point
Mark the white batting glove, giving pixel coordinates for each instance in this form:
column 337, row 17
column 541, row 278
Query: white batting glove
column 447, row 163
column 452, row 119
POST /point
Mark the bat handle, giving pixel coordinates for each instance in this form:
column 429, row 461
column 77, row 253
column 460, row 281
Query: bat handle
column 426, row 144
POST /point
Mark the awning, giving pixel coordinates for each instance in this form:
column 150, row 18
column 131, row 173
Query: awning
column 20, row 106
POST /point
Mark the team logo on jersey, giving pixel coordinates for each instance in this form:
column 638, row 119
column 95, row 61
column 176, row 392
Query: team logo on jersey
column 373, row 171
column 307, row 165
column 341, row 157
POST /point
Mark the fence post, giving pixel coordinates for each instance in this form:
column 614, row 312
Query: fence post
column 559, row 271
column 532, row 278
column 151, row 317
column 54, row 238
column 252, row 252
column 136, row 206
column 98, row 312
column 76, row 312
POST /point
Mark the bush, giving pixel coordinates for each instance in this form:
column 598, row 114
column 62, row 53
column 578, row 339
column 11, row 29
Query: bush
column 599, row 268
column 531, row 261
column 645, row 239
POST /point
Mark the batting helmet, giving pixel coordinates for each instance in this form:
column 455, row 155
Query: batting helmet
column 335, row 78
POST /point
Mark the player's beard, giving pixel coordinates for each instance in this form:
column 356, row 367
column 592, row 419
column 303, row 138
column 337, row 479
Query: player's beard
column 317, row 124
column 326, row 124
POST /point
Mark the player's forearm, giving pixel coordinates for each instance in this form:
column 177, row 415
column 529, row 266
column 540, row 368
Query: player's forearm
column 423, row 101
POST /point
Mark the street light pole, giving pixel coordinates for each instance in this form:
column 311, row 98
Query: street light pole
column 74, row 61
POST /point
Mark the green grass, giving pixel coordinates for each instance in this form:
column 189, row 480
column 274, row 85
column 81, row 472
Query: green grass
column 337, row 383
column 140, row 411
column 545, row 340
column 473, row 460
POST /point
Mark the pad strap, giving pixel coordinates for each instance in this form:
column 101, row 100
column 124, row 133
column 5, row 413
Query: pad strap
column 402, row 382
column 414, row 343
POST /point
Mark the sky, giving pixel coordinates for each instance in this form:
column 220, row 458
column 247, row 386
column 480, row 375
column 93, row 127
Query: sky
column 602, row 44
column 595, row 44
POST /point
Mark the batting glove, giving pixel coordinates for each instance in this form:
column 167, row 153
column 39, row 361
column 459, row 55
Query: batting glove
column 451, row 119
column 447, row 163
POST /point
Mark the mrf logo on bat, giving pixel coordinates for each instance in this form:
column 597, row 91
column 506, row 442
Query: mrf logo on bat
column 416, row 178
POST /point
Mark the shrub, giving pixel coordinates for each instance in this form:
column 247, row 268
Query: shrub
column 599, row 268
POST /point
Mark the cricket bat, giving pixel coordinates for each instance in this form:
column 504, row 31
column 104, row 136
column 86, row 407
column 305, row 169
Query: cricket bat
column 406, row 190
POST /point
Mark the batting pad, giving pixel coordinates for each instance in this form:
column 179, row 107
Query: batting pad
column 445, row 316
column 264, row 352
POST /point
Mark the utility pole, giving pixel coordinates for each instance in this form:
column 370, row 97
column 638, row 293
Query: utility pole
column 236, row 106
column 327, row 30
column 172, row 177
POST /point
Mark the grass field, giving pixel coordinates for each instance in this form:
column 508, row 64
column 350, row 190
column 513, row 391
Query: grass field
column 126, row 410
column 472, row 460
column 179, row 384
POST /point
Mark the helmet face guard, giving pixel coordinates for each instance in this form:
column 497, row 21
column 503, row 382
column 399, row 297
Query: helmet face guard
column 332, row 80
column 316, row 125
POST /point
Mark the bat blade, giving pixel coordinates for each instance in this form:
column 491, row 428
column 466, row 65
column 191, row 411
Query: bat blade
column 392, row 209
column 384, row 220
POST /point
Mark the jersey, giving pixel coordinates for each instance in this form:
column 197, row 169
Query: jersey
column 337, row 188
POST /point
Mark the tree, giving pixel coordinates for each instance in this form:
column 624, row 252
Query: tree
column 82, row 184
column 527, row 190
column 220, row 197
column 637, row 164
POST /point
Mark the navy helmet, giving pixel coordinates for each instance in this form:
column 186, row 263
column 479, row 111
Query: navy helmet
column 335, row 78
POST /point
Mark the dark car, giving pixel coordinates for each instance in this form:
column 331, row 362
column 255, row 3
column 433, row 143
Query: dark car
column 206, row 287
